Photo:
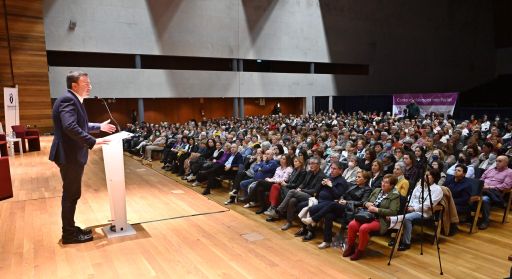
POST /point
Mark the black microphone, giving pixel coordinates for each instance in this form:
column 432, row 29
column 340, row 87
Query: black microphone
column 112, row 117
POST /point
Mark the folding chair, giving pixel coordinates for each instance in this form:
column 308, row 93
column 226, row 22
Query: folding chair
column 507, row 207
column 477, row 187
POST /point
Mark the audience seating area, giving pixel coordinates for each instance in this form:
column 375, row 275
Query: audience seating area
column 251, row 156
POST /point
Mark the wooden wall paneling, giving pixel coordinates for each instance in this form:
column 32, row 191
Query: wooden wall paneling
column 30, row 67
column 180, row 110
column 120, row 108
column 5, row 62
column 28, row 8
column 252, row 106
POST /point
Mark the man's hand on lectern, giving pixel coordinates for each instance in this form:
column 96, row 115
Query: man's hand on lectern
column 109, row 128
column 102, row 141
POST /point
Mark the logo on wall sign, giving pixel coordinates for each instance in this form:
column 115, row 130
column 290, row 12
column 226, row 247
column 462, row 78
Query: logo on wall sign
column 11, row 98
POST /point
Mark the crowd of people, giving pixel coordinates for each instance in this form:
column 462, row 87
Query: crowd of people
column 363, row 170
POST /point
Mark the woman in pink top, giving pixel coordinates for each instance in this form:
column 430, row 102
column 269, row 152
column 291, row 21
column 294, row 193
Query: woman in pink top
column 281, row 175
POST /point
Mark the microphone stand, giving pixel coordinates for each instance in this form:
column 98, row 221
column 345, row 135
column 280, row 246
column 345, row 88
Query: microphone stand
column 422, row 183
column 108, row 110
column 434, row 217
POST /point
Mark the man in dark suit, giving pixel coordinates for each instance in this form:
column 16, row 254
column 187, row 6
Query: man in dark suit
column 70, row 149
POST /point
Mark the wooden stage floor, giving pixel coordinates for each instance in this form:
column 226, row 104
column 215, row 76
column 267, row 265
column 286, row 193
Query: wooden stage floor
column 181, row 234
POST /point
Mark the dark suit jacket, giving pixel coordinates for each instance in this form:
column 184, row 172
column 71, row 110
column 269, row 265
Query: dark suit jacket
column 71, row 142
column 339, row 187
column 312, row 183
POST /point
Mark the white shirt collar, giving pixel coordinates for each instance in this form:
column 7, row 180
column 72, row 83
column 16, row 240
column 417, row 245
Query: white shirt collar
column 78, row 96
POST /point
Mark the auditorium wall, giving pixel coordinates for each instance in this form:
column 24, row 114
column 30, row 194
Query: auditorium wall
column 410, row 46
column 184, row 109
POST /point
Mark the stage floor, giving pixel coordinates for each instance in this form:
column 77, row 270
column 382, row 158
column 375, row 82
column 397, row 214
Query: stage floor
column 181, row 234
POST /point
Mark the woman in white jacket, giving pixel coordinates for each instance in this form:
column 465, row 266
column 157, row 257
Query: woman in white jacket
column 421, row 202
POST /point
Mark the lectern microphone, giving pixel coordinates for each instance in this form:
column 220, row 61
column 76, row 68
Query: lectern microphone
column 112, row 117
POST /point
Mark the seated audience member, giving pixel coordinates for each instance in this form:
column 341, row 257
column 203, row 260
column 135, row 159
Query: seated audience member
column 332, row 188
column 172, row 155
column 460, row 187
column 487, row 158
column 399, row 154
column 439, row 165
column 278, row 191
column 307, row 189
column 495, row 181
column 351, row 171
column 343, row 208
column 281, row 175
column 377, row 174
column 402, row 185
column 437, row 156
column 388, row 164
column 202, row 151
column 418, row 203
column 210, row 169
column 246, row 174
column 206, row 157
column 157, row 144
column 463, row 159
column 366, row 162
column 411, row 173
column 379, row 151
column 180, row 162
column 421, row 159
column 335, row 157
column 382, row 202
column 264, row 169
column 229, row 168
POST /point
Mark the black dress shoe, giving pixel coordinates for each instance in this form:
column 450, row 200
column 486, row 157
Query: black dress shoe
column 483, row 226
column 271, row 219
column 403, row 247
column 206, row 192
column 83, row 231
column 309, row 236
column 301, row 232
column 261, row 210
column 77, row 238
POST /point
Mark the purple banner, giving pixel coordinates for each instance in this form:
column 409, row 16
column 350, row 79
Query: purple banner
column 428, row 99
column 428, row 102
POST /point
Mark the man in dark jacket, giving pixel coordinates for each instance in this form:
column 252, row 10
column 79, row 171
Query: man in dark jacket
column 70, row 150
column 460, row 187
column 332, row 189
column 311, row 185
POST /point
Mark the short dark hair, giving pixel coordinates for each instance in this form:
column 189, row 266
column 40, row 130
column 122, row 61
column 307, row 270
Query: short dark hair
column 379, row 144
column 73, row 77
column 463, row 167
column 436, row 174
column 489, row 145
column 337, row 164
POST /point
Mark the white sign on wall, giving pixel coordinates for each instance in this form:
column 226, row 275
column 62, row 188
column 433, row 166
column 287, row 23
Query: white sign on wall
column 11, row 108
